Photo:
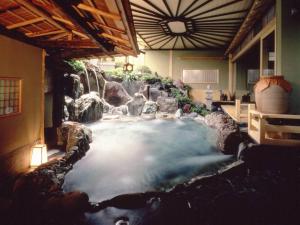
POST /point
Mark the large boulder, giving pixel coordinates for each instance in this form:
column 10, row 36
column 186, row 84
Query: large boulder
column 135, row 106
column 72, row 134
column 133, row 87
column 228, row 134
column 167, row 104
column 72, row 86
column 228, row 141
column 89, row 107
column 115, row 94
column 155, row 93
column 220, row 121
column 149, row 107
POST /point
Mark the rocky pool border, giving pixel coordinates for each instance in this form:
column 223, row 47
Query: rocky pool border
column 39, row 199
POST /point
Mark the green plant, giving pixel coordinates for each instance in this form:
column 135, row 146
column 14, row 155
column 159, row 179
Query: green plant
column 76, row 65
column 143, row 70
column 167, row 81
column 131, row 77
column 201, row 110
column 183, row 100
column 180, row 97
column 150, row 78
column 187, row 87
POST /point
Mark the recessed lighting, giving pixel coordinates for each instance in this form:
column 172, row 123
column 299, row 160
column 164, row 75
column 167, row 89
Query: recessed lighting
column 177, row 27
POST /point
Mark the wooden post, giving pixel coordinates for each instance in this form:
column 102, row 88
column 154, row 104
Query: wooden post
column 230, row 74
column 250, row 107
column 42, row 101
column 261, row 63
column 238, row 110
column 262, row 132
column 171, row 64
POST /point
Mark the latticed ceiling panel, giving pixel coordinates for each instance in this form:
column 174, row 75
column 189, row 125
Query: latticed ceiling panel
column 57, row 25
column 188, row 24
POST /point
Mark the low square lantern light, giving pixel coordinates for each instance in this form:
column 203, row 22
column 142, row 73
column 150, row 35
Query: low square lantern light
column 128, row 67
column 38, row 155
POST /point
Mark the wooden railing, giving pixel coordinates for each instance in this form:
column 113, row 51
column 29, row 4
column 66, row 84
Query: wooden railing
column 265, row 133
column 238, row 112
column 241, row 110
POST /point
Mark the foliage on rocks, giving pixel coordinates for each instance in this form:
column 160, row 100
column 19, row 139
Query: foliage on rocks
column 200, row 109
column 76, row 65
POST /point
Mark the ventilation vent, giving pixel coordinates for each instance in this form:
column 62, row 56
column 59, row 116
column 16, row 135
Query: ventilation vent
column 200, row 76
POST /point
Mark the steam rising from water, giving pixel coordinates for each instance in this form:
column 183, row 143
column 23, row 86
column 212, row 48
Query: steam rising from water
column 128, row 157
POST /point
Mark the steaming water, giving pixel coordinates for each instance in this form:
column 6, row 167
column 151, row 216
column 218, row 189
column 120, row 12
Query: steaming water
column 128, row 157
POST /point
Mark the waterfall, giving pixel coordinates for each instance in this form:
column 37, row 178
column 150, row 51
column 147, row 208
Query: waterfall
column 97, row 82
column 87, row 78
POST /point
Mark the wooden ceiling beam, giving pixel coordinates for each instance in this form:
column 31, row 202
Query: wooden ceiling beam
column 254, row 14
column 124, row 41
column 17, row 36
column 58, row 36
column 145, row 10
column 68, row 7
column 184, row 45
column 40, row 13
column 4, row 10
column 178, row 7
column 143, row 39
column 98, row 11
column 110, row 28
column 127, row 18
column 62, row 20
column 80, row 34
column 68, row 44
column 78, row 53
column 222, row 14
column 124, row 51
column 196, row 8
column 208, row 40
column 216, row 8
column 189, row 7
column 191, row 41
column 25, row 23
column 168, row 8
column 43, row 33
column 166, row 42
column 175, row 41
column 222, row 20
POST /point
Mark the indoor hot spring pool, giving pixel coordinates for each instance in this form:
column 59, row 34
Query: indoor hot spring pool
column 130, row 157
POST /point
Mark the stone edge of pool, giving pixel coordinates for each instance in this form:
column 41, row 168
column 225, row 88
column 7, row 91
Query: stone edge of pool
column 42, row 187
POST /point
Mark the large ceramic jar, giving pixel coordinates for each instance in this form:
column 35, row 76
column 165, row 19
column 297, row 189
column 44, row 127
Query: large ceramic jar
column 272, row 94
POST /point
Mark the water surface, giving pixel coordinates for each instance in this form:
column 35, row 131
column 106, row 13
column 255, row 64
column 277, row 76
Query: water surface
column 128, row 157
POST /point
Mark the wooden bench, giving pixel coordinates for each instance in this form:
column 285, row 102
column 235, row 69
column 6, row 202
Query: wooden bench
column 263, row 132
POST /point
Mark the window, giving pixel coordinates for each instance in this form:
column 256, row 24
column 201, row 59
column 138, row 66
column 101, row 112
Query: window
column 10, row 96
column 200, row 76
column 252, row 76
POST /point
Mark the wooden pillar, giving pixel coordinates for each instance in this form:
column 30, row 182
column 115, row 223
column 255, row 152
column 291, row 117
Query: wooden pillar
column 261, row 57
column 238, row 109
column 171, row 64
column 42, row 101
column 230, row 74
